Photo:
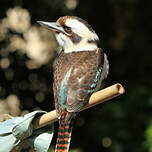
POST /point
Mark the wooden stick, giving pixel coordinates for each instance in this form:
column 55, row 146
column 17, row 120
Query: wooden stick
column 96, row 98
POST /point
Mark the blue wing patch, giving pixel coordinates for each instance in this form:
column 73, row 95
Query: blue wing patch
column 96, row 79
column 63, row 90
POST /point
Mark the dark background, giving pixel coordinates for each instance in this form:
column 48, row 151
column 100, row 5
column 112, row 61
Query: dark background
column 124, row 28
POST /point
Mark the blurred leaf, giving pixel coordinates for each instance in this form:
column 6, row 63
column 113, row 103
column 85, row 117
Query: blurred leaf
column 148, row 142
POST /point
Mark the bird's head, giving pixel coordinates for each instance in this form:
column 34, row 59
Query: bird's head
column 73, row 34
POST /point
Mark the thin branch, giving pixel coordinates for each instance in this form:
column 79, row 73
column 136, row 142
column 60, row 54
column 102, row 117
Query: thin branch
column 96, row 98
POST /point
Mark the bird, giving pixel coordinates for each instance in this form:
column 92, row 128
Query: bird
column 78, row 71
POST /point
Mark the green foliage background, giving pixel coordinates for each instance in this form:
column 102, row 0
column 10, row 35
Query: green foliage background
column 124, row 28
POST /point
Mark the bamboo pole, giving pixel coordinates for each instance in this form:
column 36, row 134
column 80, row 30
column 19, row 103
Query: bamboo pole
column 96, row 98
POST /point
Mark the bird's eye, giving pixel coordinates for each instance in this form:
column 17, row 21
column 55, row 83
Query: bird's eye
column 67, row 29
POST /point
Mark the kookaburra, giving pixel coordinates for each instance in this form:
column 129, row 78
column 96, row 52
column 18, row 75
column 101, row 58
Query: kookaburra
column 78, row 71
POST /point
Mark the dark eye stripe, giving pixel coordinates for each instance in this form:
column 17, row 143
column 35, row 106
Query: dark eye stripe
column 67, row 29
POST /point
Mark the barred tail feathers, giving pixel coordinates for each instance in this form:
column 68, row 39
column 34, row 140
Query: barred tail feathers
column 64, row 136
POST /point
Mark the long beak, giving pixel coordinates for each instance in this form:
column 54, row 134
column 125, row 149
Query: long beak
column 52, row 26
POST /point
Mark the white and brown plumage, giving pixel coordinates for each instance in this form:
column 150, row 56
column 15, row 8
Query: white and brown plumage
column 78, row 71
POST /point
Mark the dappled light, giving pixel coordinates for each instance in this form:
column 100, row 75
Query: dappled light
column 71, row 4
column 35, row 42
column 18, row 19
column 36, row 45
column 10, row 105
column 106, row 142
